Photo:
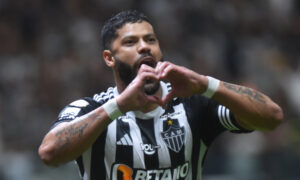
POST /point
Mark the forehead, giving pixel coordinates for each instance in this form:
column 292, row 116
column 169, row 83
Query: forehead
column 135, row 29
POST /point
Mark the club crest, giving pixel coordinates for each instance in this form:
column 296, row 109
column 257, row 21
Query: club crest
column 174, row 137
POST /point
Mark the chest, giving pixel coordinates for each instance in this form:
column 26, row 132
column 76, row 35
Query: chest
column 154, row 142
column 161, row 145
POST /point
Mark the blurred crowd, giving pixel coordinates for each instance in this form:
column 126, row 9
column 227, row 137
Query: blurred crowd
column 50, row 55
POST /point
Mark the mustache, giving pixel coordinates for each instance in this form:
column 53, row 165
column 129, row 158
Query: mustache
column 146, row 58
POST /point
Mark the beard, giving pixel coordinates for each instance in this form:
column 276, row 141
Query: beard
column 128, row 73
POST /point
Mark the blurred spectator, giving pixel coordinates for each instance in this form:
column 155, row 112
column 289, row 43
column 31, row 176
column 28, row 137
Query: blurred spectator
column 50, row 54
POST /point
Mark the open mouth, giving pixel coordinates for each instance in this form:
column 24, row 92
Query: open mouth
column 149, row 60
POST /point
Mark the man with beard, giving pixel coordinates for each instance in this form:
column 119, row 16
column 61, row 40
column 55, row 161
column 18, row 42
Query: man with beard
column 147, row 128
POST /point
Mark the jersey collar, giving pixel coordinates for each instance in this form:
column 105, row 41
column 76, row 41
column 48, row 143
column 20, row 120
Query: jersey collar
column 152, row 114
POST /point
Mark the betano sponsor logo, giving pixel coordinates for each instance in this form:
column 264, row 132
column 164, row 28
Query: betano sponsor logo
column 179, row 172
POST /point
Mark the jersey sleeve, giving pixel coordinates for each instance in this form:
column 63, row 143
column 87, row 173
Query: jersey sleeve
column 76, row 109
column 215, row 119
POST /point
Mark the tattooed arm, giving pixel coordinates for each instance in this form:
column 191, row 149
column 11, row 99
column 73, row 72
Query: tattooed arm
column 252, row 109
column 68, row 140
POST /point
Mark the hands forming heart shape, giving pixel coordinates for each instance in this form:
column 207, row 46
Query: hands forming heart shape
column 144, row 90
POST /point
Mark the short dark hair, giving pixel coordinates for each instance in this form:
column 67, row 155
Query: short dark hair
column 112, row 25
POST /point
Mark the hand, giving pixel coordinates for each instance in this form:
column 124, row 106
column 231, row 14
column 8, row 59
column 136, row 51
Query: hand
column 134, row 96
column 184, row 82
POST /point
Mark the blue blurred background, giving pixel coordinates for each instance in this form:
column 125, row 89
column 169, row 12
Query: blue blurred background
column 50, row 55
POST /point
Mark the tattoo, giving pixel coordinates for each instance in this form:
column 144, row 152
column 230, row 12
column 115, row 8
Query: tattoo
column 253, row 94
column 65, row 134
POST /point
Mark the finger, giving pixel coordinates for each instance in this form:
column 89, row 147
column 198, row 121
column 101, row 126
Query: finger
column 160, row 68
column 154, row 99
column 166, row 71
column 146, row 68
column 144, row 76
column 167, row 98
column 140, row 80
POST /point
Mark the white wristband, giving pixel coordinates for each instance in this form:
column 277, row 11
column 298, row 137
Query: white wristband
column 112, row 109
column 212, row 87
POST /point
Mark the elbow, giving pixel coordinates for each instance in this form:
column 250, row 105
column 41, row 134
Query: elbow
column 276, row 118
column 47, row 155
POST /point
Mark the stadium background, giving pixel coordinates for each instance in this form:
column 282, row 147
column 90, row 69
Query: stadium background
column 50, row 55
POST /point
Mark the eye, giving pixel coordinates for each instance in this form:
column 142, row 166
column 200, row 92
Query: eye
column 128, row 42
column 151, row 39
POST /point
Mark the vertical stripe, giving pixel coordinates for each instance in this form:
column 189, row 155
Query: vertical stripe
column 124, row 148
column 97, row 160
column 148, row 142
column 110, row 147
column 188, row 141
column 79, row 163
column 202, row 153
column 163, row 152
column 224, row 117
column 233, row 127
column 221, row 116
column 183, row 121
column 138, row 155
column 86, row 158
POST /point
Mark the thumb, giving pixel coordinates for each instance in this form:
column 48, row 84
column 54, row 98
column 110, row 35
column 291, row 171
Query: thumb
column 154, row 99
column 167, row 98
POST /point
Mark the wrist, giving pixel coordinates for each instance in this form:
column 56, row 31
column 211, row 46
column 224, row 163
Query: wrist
column 212, row 86
column 112, row 109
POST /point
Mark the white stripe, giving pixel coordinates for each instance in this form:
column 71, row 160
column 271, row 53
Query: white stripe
column 220, row 117
column 177, row 143
column 233, row 127
column 123, row 141
column 202, row 152
column 224, row 118
column 128, row 139
column 174, row 145
column 86, row 159
column 224, row 111
column 110, row 146
column 105, row 96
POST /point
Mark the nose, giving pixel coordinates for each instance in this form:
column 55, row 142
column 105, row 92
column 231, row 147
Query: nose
column 143, row 47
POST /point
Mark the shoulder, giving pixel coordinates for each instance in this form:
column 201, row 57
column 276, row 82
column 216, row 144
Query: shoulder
column 105, row 95
column 84, row 105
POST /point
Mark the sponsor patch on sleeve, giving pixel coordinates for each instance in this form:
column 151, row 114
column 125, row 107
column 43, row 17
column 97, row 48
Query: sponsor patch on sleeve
column 69, row 113
column 80, row 103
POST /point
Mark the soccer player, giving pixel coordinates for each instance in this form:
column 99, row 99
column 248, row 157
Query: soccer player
column 159, row 119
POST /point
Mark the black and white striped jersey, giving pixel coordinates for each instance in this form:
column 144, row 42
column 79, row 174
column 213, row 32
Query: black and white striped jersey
column 164, row 144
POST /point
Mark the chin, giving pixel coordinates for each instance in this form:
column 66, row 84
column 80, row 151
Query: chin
column 152, row 87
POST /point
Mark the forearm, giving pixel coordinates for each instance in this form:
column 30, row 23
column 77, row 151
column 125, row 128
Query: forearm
column 69, row 140
column 252, row 109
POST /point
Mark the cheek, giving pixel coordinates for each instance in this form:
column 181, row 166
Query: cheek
column 157, row 53
column 127, row 55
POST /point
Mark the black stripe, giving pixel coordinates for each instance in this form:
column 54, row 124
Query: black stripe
column 80, row 165
column 97, row 161
column 124, row 152
column 149, row 143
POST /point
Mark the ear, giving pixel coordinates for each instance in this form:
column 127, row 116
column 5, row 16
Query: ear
column 108, row 58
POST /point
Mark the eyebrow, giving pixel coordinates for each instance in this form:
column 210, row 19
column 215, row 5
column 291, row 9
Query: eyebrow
column 133, row 36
